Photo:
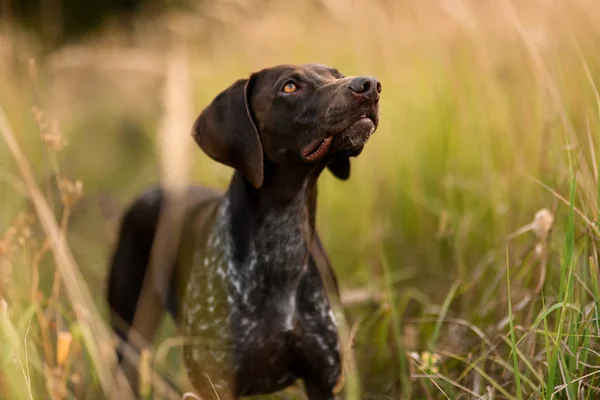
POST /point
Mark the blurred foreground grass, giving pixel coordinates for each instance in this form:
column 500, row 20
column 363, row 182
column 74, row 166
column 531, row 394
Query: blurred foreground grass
column 490, row 113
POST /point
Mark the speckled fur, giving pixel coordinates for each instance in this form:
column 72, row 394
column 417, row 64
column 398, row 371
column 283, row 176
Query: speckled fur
column 255, row 319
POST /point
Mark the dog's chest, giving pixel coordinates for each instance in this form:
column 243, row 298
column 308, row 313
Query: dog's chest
column 248, row 316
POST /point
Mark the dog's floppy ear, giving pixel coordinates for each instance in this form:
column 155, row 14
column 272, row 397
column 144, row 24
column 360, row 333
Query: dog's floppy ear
column 227, row 133
column 340, row 168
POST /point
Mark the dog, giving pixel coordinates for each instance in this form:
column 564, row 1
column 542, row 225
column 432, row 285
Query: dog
column 244, row 284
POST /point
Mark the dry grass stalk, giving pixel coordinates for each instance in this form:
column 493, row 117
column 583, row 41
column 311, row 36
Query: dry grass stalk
column 541, row 226
column 70, row 193
column 359, row 297
column 96, row 335
column 54, row 142
column 145, row 372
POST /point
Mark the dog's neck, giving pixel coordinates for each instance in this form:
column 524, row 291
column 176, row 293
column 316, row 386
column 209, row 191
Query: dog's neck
column 273, row 227
column 286, row 199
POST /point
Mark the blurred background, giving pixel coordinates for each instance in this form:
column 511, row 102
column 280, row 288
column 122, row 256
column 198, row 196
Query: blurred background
column 479, row 191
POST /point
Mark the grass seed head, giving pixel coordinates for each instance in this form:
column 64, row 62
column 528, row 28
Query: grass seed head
column 542, row 223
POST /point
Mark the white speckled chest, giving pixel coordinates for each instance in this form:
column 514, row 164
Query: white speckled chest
column 253, row 321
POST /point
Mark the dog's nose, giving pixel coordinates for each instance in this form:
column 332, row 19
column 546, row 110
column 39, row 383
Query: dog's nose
column 366, row 86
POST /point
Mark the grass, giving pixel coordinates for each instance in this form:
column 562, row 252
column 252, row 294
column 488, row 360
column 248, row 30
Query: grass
column 468, row 232
column 513, row 342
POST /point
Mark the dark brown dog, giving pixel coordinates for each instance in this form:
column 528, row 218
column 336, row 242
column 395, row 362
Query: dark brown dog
column 246, row 285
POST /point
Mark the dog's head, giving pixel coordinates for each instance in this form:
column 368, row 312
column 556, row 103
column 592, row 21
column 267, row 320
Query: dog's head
column 305, row 114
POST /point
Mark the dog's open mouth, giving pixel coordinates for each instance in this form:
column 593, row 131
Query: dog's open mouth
column 317, row 149
column 354, row 136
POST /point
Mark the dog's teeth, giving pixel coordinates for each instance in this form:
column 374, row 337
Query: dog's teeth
column 322, row 147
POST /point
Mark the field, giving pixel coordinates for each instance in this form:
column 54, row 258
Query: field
column 466, row 241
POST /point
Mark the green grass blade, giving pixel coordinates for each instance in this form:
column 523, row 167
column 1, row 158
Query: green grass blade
column 402, row 362
column 566, row 288
column 438, row 324
column 512, row 332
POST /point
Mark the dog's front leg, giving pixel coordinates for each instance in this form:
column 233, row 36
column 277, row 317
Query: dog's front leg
column 314, row 392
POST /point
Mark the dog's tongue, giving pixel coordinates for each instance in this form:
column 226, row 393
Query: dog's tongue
column 317, row 149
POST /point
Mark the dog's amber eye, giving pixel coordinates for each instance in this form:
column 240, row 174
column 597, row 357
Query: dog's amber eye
column 290, row 87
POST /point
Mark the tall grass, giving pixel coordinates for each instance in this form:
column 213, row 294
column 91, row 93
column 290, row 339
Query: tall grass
column 469, row 227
